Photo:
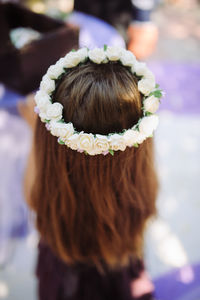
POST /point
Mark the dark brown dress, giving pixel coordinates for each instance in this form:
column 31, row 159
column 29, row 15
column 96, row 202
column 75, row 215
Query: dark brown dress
column 58, row 281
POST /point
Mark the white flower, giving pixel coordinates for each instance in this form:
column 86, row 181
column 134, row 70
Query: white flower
column 132, row 137
column 43, row 116
column 148, row 125
column 47, row 84
column 97, row 55
column 62, row 130
column 98, row 144
column 55, row 71
column 151, row 104
column 114, row 53
column 146, row 86
column 42, row 100
column 73, row 142
column 93, row 152
column 140, row 137
column 54, row 112
column 38, row 95
column 140, row 68
column 72, row 59
column 116, row 142
column 83, row 54
column 127, row 58
column 86, row 141
column 61, row 61
column 101, row 143
column 149, row 75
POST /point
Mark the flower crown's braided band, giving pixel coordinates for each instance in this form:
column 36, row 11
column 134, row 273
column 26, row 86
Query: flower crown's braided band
column 51, row 113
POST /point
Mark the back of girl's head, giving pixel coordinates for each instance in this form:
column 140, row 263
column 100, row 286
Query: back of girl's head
column 93, row 209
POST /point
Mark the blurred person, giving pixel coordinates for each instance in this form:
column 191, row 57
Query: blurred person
column 131, row 17
column 94, row 193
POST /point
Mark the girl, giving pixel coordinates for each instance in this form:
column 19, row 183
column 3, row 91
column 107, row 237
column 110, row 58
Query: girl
column 94, row 188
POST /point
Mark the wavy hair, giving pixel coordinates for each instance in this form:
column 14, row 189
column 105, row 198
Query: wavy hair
column 93, row 209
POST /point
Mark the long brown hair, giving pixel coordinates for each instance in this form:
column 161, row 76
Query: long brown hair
column 93, row 209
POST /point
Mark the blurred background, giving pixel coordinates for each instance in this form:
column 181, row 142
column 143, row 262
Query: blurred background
column 168, row 39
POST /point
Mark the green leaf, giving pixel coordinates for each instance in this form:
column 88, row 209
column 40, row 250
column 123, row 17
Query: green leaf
column 60, row 142
column 47, row 121
column 157, row 85
column 147, row 113
column 61, row 121
column 105, row 47
column 111, row 152
column 136, row 145
column 60, row 76
column 157, row 93
column 73, row 50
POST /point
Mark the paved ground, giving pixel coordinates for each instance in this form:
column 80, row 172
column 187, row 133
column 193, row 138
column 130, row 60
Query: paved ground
column 179, row 27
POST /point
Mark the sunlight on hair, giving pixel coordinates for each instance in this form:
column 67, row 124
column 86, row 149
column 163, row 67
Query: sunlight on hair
column 169, row 247
column 4, row 291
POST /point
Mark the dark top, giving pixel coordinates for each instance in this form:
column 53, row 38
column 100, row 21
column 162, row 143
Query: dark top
column 112, row 11
column 116, row 12
column 58, row 281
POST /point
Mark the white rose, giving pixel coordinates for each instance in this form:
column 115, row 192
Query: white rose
column 43, row 116
column 83, row 54
column 47, row 84
column 148, row 125
column 146, row 86
column 132, row 137
column 72, row 59
column 127, row 58
column 114, row 53
column 151, row 104
column 73, row 142
column 61, row 61
column 54, row 112
column 140, row 68
column 55, row 71
column 149, row 75
column 97, row 55
column 140, row 138
column 93, row 152
column 38, row 95
column 62, row 130
column 86, row 141
column 42, row 100
column 101, row 143
column 116, row 142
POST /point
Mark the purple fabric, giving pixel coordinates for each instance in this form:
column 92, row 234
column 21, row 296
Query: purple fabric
column 180, row 81
column 182, row 284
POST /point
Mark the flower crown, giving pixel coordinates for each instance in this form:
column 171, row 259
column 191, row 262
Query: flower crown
column 93, row 144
